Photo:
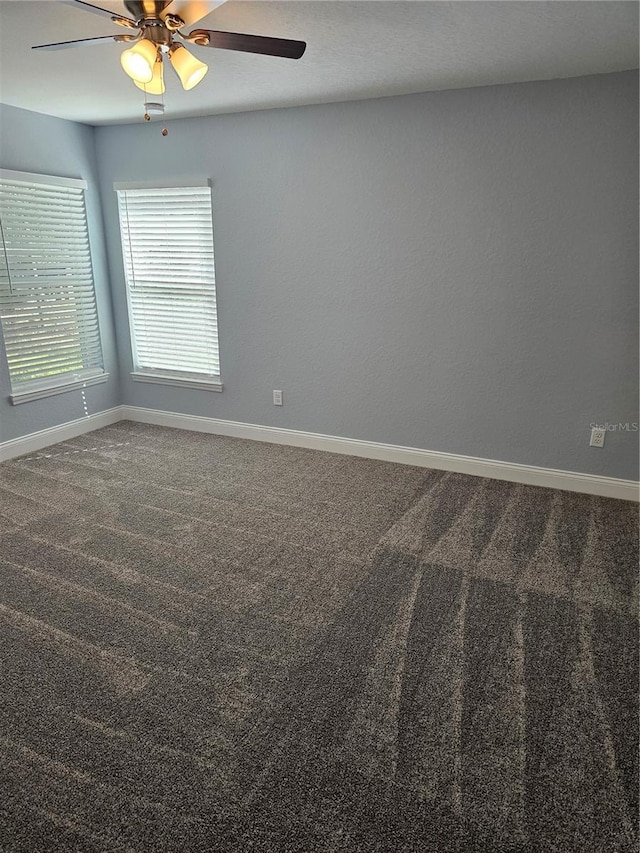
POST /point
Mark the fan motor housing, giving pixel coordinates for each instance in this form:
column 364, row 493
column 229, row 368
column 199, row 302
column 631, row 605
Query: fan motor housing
column 139, row 9
column 156, row 32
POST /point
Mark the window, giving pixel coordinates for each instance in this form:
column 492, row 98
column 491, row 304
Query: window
column 47, row 297
column 167, row 246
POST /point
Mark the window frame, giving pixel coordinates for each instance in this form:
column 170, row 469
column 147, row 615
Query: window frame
column 164, row 376
column 36, row 389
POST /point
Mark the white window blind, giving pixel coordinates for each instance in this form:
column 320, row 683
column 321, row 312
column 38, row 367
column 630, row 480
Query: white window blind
column 47, row 297
column 167, row 245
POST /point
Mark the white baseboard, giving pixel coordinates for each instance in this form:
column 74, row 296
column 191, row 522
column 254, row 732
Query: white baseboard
column 528, row 474
column 53, row 435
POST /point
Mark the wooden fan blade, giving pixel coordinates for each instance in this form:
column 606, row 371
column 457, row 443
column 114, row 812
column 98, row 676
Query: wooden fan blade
column 104, row 13
column 62, row 45
column 250, row 44
column 191, row 11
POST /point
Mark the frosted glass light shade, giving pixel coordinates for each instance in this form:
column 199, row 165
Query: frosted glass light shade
column 139, row 61
column 189, row 69
column 156, row 86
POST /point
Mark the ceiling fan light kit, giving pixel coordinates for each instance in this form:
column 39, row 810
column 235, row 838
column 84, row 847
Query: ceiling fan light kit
column 156, row 84
column 189, row 69
column 139, row 61
column 158, row 25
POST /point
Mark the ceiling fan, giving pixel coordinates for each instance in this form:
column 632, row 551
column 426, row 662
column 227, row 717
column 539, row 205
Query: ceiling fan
column 159, row 25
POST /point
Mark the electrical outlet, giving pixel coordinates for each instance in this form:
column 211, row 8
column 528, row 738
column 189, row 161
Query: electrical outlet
column 277, row 398
column 597, row 437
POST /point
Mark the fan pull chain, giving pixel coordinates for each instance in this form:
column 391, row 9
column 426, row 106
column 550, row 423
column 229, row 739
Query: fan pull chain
column 165, row 131
column 153, row 106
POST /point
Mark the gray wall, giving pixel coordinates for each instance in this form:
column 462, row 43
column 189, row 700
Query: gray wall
column 454, row 271
column 30, row 142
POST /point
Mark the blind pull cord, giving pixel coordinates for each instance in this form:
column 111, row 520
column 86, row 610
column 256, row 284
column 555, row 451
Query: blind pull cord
column 126, row 213
column 6, row 257
column 84, row 401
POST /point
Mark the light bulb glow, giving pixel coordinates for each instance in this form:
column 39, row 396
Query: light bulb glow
column 139, row 61
column 156, row 85
column 189, row 69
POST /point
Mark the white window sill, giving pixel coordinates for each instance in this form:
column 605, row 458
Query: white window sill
column 27, row 396
column 182, row 381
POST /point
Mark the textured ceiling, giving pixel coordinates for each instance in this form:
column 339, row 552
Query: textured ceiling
column 355, row 50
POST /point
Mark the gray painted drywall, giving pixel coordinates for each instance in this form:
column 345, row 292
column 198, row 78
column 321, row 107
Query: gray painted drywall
column 454, row 271
column 30, row 142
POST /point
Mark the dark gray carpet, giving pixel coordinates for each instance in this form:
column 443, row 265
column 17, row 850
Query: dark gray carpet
column 217, row 645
